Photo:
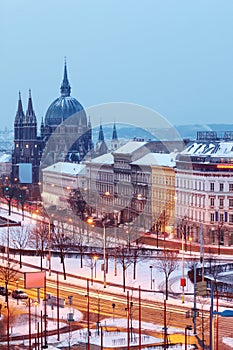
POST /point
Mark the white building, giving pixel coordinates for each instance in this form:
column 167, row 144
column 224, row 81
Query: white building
column 58, row 181
column 204, row 186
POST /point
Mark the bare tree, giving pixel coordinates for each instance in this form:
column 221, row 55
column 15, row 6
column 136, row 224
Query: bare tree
column 124, row 257
column 19, row 237
column 167, row 263
column 136, row 251
column 38, row 238
column 61, row 241
column 8, row 274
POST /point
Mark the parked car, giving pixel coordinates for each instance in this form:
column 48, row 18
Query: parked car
column 19, row 294
column 3, row 291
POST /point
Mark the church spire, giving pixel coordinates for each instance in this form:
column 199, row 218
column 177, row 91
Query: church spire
column 19, row 113
column 65, row 86
column 114, row 132
column 30, row 115
column 101, row 134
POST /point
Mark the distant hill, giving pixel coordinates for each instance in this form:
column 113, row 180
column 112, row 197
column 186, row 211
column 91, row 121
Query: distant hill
column 128, row 132
column 190, row 131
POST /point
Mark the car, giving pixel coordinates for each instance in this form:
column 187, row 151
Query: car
column 3, row 291
column 19, row 294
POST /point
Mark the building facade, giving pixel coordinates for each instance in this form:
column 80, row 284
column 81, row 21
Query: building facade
column 204, row 189
column 65, row 135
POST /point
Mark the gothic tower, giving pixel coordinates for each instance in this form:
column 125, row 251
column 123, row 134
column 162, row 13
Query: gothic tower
column 27, row 145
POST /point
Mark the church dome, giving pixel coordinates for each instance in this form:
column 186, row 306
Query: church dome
column 65, row 106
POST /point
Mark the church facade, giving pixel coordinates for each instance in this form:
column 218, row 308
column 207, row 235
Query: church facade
column 65, row 135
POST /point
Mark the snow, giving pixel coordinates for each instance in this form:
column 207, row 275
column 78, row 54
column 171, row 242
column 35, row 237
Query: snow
column 217, row 149
column 143, row 280
column 104, row 159
column 130, row 147
column 66, row 168
column 162, row 159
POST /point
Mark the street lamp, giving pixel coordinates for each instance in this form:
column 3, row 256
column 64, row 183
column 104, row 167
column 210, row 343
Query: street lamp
column 95, row 259
column 185, row 335
column 90, row 222
column 151, row 276
column 104, row 237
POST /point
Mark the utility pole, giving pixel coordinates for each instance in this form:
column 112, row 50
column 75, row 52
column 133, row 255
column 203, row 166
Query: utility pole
column 211, row 316
column 140, row 318
column 195, row 301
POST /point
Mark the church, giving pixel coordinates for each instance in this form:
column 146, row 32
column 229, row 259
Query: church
column 65, row 135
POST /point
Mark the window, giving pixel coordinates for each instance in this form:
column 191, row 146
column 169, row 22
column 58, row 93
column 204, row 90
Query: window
column 231, row 218
column 212, row 186
column 211, row 217
column 212, row 201
column 230, row 202
column 221, row 217
column 221, row 202
column 230, row 187
column 221, row 187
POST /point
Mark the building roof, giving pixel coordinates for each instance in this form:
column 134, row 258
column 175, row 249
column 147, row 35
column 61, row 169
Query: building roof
column 104, row 159
column 130, row 147
column 65, row 106
column 66, row 168
column 161, row 159
column 212, row 148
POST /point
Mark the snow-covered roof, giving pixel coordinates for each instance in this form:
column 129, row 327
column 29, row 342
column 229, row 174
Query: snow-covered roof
column 66, row 168
column 130, row 147
column 104, row 159
column 161, row 159
column 5, row 158
column 215, row 148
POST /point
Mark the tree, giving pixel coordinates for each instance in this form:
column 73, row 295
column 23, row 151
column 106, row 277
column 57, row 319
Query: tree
column 79, row 205
column 8, row 273
column 61, row 241
column 167, row 263
column 39, row 237
column 136, row 250
column 8, row 192
column 21, row 198
column 125, row 259
column 19, row 237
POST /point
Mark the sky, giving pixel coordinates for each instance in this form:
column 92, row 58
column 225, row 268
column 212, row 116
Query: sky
column 175, row 57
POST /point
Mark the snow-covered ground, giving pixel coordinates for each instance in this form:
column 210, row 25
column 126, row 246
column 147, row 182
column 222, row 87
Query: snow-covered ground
column 150, row 280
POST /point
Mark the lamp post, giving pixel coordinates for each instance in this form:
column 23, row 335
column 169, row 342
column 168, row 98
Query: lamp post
column 151, row 276
column 95, row 259
column 183, row 283
column 113, row 308
column 104, row 237
column 185, row 336
column 36, row 304
column 49, row 243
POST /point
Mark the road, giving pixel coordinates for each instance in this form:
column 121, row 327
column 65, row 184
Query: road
column 100, row 307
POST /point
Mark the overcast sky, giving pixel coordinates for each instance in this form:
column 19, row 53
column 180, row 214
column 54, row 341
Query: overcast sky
column 174, row 56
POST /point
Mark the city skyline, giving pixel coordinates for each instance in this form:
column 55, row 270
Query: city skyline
column 174, row 58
